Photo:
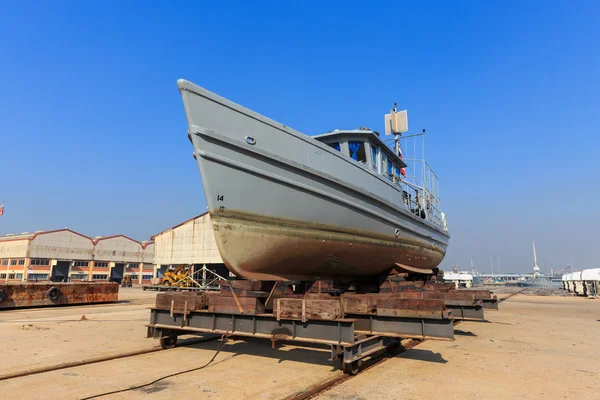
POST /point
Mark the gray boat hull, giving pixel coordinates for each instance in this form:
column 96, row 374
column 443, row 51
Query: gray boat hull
column 286, row 207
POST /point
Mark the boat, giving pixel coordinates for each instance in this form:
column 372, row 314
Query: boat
column 288, row 206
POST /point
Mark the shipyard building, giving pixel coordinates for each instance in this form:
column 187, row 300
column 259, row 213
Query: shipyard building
column 64, row 255
column 190, row 243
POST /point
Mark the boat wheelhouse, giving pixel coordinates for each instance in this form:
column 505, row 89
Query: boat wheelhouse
column 419, row 189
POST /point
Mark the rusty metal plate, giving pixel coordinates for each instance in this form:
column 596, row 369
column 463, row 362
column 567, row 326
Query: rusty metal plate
column 15, row 295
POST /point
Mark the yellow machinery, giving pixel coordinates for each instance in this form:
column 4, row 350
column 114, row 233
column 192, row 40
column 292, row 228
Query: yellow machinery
column 126, row 282
column 179, row 276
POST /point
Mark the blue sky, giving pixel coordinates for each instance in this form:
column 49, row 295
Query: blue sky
column 93, row 132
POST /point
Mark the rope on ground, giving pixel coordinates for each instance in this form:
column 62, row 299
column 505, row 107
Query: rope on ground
column 223, row 341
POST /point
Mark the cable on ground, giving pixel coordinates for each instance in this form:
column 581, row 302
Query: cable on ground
column 223, row 341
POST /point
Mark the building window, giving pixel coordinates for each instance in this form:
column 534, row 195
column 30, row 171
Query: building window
column 40, row 262
column 374, row 157
column 11, row 276
column 39, row 277
column 134, row 277
column 100, row 264
column 2, row 276
column 100, row 277
column 21, row 262
column 79, row 277
column 357, row 151
column 13, row 262
column 81, row 263
column 334, row 145
column 20, row 277
column 4, row 262
column 147, row 277
column 133, row 265
column 148, row 266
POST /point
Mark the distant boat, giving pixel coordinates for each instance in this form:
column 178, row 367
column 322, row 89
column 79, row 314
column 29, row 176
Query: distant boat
column 286, row 206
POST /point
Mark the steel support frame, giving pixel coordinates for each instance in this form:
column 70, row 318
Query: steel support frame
column 364, row 347
column 490, row 304
column 333, row 332
column 467, row 312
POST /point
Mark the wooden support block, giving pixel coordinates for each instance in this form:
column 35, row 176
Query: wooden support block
column 388, row 285
column 478, row 293
column 304, row 309
column 323, row 287
column 272, row 304
column 358, row 304
column 226, row 292
column 410, row 308
column 228, row 305
column 195, row 301
column 243, row 284
column 439, row 286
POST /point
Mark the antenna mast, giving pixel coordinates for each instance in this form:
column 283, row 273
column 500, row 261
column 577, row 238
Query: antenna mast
column 536, row 268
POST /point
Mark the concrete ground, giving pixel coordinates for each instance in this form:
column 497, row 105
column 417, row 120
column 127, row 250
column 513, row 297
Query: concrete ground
column 40, row 337
column 534, row 348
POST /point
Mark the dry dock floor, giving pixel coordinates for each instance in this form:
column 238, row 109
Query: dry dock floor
column 533, row 348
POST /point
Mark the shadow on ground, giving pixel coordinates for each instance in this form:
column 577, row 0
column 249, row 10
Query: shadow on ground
column 458, row 332
column 283, row 352
column 423, row 355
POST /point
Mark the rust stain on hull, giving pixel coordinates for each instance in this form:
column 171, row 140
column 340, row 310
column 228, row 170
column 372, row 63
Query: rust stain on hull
column 256, row 249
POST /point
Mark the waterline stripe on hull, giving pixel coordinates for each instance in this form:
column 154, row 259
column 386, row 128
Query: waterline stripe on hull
column 307, row 230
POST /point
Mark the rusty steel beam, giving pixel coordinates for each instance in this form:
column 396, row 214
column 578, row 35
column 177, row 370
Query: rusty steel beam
column 14, row 295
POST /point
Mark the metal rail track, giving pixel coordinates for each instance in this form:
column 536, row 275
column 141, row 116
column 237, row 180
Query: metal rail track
column 58, row 367
column 322, row 387
column 511, row 295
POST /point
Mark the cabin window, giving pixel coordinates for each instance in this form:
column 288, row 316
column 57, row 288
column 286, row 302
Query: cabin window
column 397, row 171
column 334, row 145
column 357, row 151
column 374, row 157
column 389, row 170
column 384, row 163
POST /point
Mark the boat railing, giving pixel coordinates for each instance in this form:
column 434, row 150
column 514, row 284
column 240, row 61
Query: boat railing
column 420, row 186
column 422, row 203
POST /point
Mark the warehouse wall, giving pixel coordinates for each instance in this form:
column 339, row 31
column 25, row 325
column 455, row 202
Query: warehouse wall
column 66, row 254
column 64, row 244
column 118, row 249
column 13, row 248
column 192, row 242
column 148, row 253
